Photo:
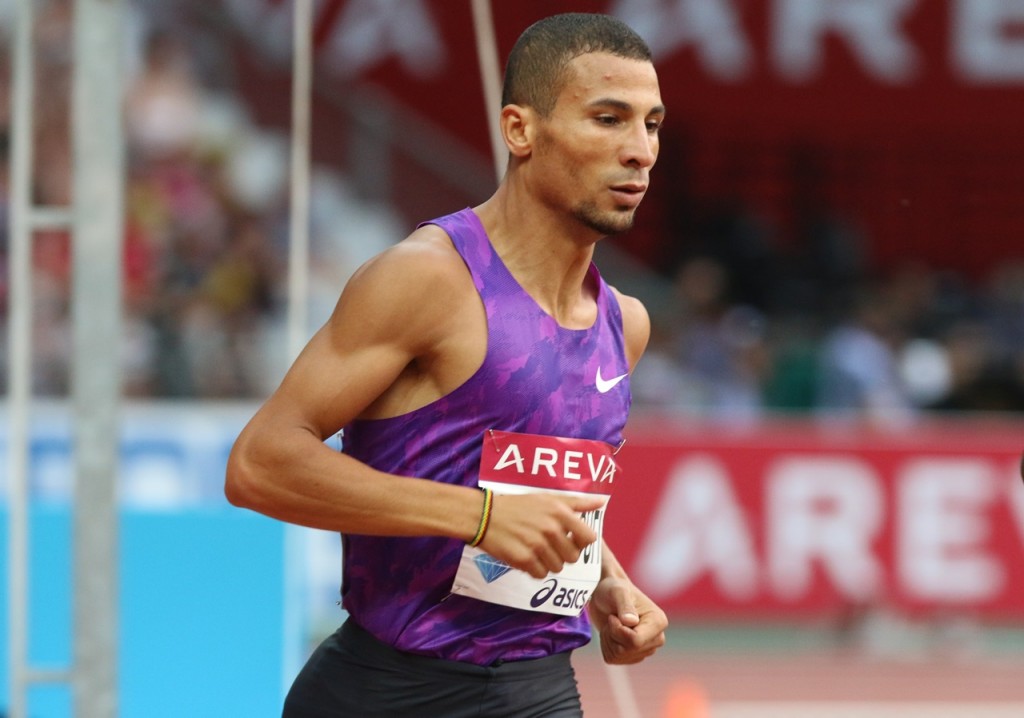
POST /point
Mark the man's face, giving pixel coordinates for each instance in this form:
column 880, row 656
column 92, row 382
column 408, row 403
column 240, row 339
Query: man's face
column 594, row 152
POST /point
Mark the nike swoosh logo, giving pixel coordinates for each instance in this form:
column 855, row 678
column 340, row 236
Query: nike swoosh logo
column 606, row 385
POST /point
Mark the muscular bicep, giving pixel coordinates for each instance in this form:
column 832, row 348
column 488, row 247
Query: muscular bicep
column 378, row 354
column 393, row 334
column 339, row 373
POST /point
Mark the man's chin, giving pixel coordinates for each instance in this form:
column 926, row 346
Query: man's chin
column 608, row 223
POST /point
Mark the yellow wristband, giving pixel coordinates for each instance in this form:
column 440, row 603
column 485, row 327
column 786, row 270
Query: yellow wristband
column 485, row 519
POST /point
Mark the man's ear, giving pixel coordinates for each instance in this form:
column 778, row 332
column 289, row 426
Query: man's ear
column 518, row 125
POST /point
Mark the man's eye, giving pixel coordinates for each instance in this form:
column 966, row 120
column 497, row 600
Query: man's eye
column 607, row 119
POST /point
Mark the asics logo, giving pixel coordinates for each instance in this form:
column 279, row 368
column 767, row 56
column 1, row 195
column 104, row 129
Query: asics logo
column 606, row 385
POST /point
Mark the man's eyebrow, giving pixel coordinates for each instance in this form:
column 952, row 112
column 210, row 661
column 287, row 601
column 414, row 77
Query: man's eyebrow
column 624, row 106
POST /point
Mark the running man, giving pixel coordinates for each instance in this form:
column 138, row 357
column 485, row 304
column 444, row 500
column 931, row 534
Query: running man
column 484, row 351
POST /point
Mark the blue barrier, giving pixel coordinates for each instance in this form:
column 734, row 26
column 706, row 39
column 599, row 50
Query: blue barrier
column 201, row 607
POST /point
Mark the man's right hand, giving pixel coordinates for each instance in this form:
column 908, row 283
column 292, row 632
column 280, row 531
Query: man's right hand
column 539, row 533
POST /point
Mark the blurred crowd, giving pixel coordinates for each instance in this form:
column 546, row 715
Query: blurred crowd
column 752, row 330
column 206, row 223
column 749, row 329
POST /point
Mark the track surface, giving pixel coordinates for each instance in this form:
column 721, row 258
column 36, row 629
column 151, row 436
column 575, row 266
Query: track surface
column 822, row 682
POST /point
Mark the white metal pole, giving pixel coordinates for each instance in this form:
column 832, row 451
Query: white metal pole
column 98, row 165
column 20, row 343
column 490, row 75
column 298, row 306
column 622, row 691
column 298, row 243
column 23, row 219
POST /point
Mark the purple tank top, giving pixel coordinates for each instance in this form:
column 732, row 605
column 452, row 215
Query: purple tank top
column 538, row 378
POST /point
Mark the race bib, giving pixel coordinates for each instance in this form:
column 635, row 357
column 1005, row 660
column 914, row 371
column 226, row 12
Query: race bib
column 527, row 463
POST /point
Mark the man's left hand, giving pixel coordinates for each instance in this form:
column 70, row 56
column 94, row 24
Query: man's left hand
column 632, row 626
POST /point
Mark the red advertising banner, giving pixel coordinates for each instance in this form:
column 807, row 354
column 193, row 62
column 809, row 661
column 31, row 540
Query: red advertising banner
column 809, row 519
column 828, row 66
column 897, row 118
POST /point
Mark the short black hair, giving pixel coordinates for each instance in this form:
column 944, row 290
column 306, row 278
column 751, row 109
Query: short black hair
column 537, row 67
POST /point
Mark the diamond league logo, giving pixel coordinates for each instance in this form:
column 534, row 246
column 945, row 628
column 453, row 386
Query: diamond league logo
column 491, row 568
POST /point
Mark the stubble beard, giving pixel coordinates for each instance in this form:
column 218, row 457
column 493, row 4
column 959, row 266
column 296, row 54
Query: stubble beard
column 605, row 223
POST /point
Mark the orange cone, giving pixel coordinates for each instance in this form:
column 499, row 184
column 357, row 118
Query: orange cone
column 686, row 699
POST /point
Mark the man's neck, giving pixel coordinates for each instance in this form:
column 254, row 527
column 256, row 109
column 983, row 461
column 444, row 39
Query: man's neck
column 540, row 251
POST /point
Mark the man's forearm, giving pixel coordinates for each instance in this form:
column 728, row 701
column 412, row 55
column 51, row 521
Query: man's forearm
column 610, row 566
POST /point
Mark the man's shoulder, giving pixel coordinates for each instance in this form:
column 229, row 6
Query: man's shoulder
column 631, row 307
column 429, row 242
column 412, row 293
column 420, row 269
column 427, row 252
column 636, row 325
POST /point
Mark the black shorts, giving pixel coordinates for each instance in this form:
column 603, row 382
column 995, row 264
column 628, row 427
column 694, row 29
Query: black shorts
column 353, row 674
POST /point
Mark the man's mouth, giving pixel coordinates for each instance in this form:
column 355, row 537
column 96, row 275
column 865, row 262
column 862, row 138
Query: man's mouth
column 629, row 193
